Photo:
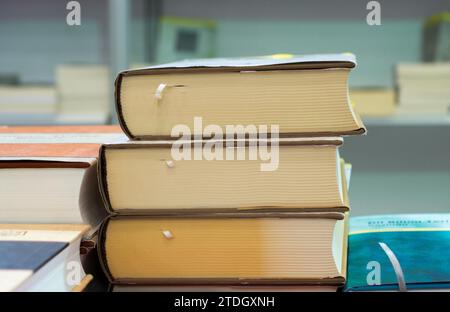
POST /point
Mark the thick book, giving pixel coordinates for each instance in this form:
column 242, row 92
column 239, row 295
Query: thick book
column 399, row 252
column 304, row 95
column 49, row 174
column 44, row 257
column 143, row 177
column 225, row 249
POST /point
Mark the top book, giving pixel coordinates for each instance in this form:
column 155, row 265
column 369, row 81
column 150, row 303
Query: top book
column 301, row 95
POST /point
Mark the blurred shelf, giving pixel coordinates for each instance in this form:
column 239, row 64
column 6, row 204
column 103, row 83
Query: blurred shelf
column 51, row 119
column 407, row 121
column 26, row 119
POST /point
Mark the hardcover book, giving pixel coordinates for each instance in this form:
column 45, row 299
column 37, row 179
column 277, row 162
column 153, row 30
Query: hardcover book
column 49, row 174
column 305, row 95
column 143, row 178
column 226, row 249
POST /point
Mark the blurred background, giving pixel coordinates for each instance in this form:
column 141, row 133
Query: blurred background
column 54, row 71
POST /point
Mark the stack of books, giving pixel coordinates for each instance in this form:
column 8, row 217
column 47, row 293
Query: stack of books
column 83, row 94
column 27, row 99
column 27, row 104
column 423, row 88
column 232, row 179
column 50, row 206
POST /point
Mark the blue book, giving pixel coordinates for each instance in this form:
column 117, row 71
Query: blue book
column 399, row 252
column 41, row 257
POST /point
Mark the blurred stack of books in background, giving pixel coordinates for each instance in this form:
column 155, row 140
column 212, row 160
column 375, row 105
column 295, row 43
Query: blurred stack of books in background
column 423, row 88
column 81, row 95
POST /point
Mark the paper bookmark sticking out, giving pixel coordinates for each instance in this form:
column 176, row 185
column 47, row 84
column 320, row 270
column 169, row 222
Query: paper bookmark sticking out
column 159, row 91
column 396, row 266
column 167, row 234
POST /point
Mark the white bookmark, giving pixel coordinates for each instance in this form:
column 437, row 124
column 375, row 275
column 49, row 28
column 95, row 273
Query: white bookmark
column 167, row 234
column 396, row 266
column 159, row 91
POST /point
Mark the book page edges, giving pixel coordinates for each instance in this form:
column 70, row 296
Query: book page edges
column 337, row 280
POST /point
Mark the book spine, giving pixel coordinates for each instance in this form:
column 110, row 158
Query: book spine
column 121, row 119
column 101, row 251
column 102, row 181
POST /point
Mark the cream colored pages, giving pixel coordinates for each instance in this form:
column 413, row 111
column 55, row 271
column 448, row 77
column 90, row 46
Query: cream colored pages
column 147, row 178
column 236, row 248
column 299, row 101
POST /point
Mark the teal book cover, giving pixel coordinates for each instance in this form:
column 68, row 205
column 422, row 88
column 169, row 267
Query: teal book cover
column 387, row 252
